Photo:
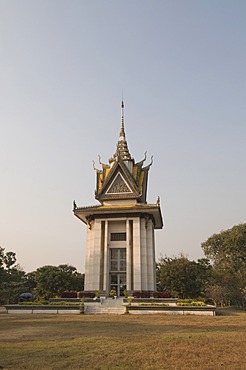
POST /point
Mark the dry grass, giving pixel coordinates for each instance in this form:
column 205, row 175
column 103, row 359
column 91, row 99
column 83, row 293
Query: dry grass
column 122, row 342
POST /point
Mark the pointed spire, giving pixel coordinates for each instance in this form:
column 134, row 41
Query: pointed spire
column 122, row 129
column 122, row 148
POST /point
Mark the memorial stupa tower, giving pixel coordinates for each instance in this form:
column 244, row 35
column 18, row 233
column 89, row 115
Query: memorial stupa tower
column 120, row 247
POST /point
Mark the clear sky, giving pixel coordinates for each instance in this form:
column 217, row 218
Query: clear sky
column 63, row 65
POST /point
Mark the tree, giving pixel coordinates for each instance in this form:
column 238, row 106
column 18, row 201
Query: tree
column 52, row 280
column 12, row 278
column 45, row 282
column 229, row 245
column 227, row 252
column 182, row 277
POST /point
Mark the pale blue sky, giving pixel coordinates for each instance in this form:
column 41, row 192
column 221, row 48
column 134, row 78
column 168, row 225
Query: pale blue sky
column 63, row 64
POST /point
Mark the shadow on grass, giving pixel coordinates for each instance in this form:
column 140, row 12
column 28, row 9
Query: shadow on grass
column 229, row 311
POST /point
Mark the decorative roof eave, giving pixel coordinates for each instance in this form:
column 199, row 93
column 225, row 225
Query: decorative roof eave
column 96, row 169
column 86, row 214
column 140, row 164
column 104, row 165
column 146, row 168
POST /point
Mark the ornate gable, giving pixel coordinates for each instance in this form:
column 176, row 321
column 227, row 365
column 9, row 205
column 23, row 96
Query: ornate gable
column 119, row 184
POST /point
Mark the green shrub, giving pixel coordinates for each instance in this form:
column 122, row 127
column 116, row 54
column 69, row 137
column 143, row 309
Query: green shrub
column 125, row 293
column 64, row 303
column 82, row 308
column 190, row 302
column 41, row 303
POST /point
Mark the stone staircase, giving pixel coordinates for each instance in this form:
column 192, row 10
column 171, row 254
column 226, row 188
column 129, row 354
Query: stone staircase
column 107, row 307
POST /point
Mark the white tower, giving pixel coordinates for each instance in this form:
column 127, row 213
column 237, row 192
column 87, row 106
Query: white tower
column 120, row 249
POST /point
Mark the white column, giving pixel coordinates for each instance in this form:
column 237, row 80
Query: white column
column 128, row 257
column 151, row 257
column 106, row 262
column 87, row 258
column 136, row 255
column 93, row 256
column 96, row 256
column 154, row 260
column 143, row 245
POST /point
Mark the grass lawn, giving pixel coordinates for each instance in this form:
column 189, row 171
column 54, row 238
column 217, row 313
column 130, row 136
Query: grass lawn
column 122, row 342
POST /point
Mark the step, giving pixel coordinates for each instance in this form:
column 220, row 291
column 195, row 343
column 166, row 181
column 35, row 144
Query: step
column 104, row 310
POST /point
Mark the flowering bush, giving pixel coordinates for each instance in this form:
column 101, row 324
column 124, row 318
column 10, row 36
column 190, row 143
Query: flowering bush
column 86, row 294
column 162, row 295
column 141, row 294
column 68, row 294
column 190, row 302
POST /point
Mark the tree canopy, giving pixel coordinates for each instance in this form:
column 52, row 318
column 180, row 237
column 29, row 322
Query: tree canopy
column 227, row 252
column 12, row 277
column 182, row 277
column 227, row 246
column 50, row 281
column 45, row 282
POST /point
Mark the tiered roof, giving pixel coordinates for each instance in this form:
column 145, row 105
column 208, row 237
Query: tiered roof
column 122, row 178
column 121, row 186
